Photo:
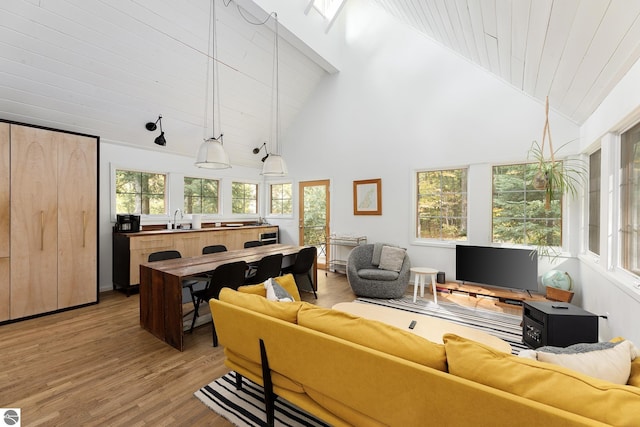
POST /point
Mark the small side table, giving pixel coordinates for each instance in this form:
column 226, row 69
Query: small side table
column 421, row 275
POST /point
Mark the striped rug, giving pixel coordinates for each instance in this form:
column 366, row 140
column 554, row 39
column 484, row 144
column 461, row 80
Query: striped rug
column 502, row 325
column 245, row 407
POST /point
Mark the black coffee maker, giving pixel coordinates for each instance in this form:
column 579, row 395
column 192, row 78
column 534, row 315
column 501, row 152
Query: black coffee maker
column 127, row 223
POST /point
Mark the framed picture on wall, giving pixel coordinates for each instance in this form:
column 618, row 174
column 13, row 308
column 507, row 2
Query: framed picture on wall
column 367, row 197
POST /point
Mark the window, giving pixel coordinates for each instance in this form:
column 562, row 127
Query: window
column 244, row 198
column 594, row 201
column 630, row 195
column 140, row 192
column 442, row 204
column 327, row 8
column 201, row 195
column 519, row 212
column 281, row 203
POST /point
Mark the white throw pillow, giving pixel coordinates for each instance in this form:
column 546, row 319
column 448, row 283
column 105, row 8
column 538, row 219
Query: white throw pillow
column 275, row 292
column 391, row 258
column 604, row 360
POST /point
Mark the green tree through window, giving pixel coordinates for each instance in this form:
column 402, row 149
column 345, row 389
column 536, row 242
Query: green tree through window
column 244, row 198
column 281, row 202
column 442, row 204
column 201, row 195
column 140, row 192
column 519, row 214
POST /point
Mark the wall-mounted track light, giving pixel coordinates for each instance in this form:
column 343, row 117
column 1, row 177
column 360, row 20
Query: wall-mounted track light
column 151, row 126
column 257, row 150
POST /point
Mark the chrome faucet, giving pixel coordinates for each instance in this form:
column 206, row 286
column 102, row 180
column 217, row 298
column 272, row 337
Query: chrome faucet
column 175, row 224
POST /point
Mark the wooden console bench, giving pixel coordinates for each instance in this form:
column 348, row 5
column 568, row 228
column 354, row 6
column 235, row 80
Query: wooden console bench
column 508, row 296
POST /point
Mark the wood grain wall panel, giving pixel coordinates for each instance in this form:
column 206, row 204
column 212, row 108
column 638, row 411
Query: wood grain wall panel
column 77, row 220
column 34, row 221
column 5, row 289
column 5, row 182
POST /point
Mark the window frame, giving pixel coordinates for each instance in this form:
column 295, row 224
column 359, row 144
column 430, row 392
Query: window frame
column 268, row 198
column 431, row 241
column 148, row 217
column 247, row 182
column 220, row 196
column 589, row 206
column 558, row 250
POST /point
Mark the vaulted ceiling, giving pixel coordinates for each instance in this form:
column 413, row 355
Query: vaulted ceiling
column 573, row 51
column 107, row 67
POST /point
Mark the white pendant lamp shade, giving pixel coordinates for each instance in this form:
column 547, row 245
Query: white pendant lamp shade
column 274, row 165
column 212, row 155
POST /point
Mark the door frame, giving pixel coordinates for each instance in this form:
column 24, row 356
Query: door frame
column 301, row 186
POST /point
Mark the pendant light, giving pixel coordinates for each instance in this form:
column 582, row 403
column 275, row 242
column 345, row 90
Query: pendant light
column 212, row 154
column 274, row 164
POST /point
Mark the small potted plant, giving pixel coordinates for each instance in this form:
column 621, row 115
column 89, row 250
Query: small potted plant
column 555, row 176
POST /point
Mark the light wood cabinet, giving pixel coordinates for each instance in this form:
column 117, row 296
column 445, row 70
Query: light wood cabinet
column 132, row 249
column 53, row 221
column 34, row 222
column 77, row 221
column 5, row 225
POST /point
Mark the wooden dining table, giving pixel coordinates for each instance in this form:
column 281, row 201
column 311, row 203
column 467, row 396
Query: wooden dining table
column 161, row 286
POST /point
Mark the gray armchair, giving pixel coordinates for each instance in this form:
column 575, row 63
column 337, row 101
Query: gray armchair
column 367, row 280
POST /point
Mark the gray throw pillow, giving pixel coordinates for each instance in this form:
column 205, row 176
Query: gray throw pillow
column 377, row 251
column 391, row 258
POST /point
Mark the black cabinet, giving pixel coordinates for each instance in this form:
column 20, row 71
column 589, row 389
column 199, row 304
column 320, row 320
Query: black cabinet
column 557, row 324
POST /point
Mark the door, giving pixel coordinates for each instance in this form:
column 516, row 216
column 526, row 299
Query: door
column 77, row 220
column 314, row 217
column 5, row 225
column 34, row 221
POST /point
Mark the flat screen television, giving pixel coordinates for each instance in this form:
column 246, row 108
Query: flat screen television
column 503, row 267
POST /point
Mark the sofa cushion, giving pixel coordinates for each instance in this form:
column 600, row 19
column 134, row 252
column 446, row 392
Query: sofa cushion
column 287, row 282
column 634, row 376
column 284, row 311
column 609, row 361
column 377, row 274
column 373, row 334
column 275, row 292
column 542, row 382
column 391, row 258
column 377, row 252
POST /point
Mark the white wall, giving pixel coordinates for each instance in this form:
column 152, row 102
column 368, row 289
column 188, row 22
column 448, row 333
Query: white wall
column 608, row 289
column 401, row 103
column 114, row 156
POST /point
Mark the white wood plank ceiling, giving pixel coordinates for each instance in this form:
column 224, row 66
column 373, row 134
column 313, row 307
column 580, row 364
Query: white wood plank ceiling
column 573, row 51
column 107, row 67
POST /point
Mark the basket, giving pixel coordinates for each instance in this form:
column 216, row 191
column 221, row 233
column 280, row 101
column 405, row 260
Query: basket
column 556, row 294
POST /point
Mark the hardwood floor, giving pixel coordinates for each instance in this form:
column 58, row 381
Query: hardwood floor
column 96, row 366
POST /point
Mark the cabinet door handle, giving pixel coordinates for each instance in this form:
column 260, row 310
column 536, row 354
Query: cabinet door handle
column 84, row 228
column 42, row 230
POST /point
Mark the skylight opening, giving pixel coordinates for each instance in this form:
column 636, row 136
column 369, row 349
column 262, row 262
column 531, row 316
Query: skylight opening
column 328, row 8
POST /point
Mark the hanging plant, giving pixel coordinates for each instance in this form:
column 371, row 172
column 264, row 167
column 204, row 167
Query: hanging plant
column 555, row 176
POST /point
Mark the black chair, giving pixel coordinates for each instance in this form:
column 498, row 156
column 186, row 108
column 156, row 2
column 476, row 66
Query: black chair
column 225, row 276
column 189, row 283
column 268, row 266
column 252, row 244
column 213, row 249
column 301, row 268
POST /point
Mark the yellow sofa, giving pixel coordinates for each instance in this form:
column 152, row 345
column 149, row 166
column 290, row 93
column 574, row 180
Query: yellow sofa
column 351, row 371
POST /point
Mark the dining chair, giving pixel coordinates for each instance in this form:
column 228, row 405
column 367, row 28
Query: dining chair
column 301, row 268
column 190, row 284
column 224, row 276
column 268, row 266
column 252, row 244
column 212, row 249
